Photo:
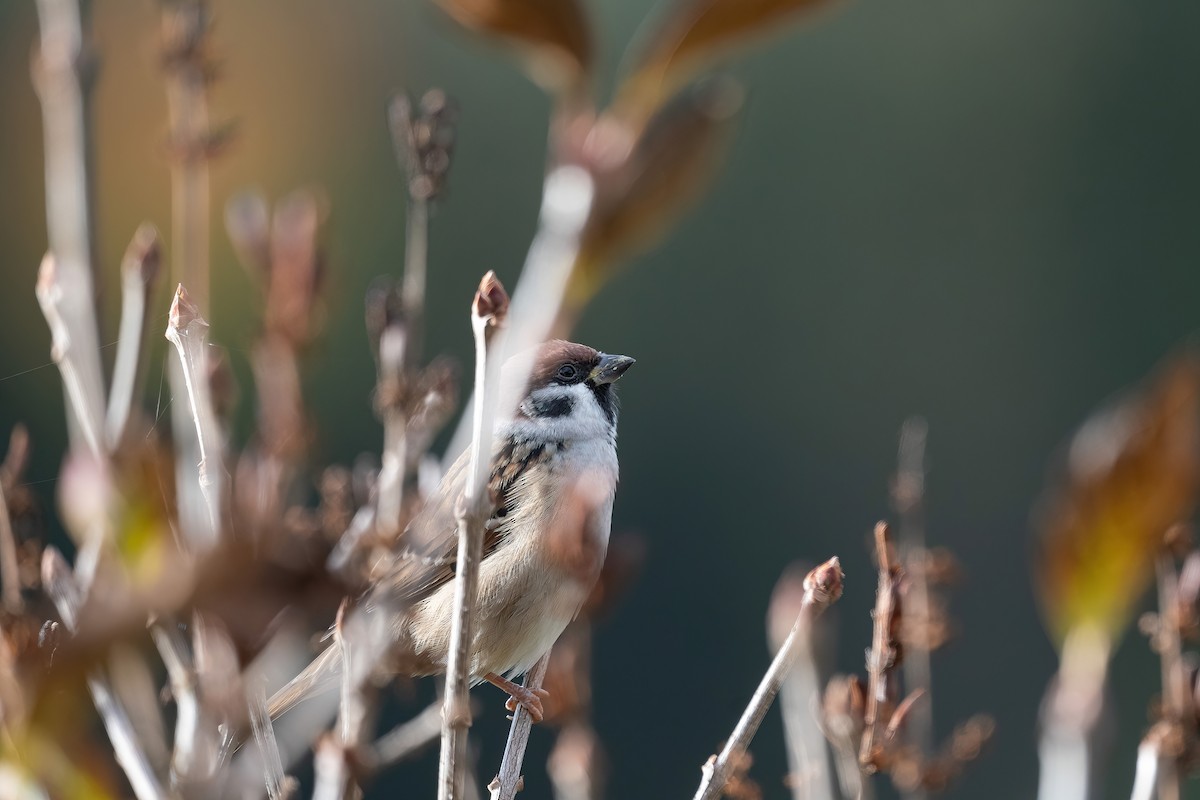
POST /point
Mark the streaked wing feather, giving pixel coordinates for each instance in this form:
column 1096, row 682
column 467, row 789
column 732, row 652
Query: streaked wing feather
column 429, row 546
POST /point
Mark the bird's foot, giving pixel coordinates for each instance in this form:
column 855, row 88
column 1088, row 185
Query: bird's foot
column 528, row 698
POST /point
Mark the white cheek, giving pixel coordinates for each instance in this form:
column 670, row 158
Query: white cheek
column 585, row 421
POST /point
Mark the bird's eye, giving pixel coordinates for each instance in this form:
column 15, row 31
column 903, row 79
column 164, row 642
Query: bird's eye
column 567, row 372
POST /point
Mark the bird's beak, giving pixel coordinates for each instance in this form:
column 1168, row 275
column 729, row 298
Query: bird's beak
column 609, row 369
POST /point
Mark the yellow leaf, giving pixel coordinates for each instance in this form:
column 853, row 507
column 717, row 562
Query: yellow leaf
column 1130, row 473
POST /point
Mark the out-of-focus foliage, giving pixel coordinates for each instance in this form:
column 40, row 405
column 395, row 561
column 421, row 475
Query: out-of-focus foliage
column 551, row 37
column 690, row 37
column 1130, row 474
column 664, row 174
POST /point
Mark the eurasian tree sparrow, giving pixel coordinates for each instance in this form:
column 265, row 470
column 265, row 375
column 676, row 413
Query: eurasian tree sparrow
column 552, row 482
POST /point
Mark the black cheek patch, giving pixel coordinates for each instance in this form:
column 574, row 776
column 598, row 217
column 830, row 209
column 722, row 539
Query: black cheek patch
column 549, row 407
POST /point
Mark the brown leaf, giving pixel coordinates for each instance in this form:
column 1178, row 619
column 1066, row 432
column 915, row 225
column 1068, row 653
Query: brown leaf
column 1131, row 472
column 692, row 36
column 551, row 37
column 641, row 192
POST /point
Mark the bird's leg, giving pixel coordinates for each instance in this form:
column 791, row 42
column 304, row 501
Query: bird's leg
column 530, row 699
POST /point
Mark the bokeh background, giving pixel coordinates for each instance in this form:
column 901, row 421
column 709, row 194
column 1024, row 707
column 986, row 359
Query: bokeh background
column 982, row 212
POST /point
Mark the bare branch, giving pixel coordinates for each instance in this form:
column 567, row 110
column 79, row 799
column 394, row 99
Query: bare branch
column 810, row 777
column 488, row 312
column 139, row 269
column 822, row 588
column 508, row 781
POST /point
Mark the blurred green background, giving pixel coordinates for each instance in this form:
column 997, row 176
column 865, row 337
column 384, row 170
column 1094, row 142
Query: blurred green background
column 982, row 212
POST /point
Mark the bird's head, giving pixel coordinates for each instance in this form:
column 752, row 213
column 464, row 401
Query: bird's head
column 570, row 390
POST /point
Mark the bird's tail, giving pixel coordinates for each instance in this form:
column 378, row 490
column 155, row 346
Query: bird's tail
column 319, row 676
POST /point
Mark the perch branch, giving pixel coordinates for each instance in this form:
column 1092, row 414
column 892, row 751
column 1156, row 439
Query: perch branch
column 822, row 588
column 507, row 782
column 488, row 312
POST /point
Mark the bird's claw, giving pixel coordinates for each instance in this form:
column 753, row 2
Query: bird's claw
column 530, row 700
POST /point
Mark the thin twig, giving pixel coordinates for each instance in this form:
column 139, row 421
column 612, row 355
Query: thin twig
column 61, row 76
column 800, row 696
column 188, row 331
column 822, row 588
column 406, row 739
column 59, row 585
column 488, row 311
column 507, row 782
column 56, row 296
column 139, row 269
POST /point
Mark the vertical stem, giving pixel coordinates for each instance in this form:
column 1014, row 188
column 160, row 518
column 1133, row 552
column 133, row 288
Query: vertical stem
column 185, row 25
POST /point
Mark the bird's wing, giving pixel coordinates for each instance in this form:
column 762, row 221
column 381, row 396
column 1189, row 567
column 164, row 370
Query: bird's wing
column 428, row 550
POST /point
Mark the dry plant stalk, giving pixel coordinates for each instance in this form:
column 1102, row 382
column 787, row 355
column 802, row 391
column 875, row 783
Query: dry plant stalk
column 822, row 588
column 885, row 654
column 488, row 312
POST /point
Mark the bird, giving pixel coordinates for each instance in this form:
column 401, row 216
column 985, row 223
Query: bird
column 551, row 486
